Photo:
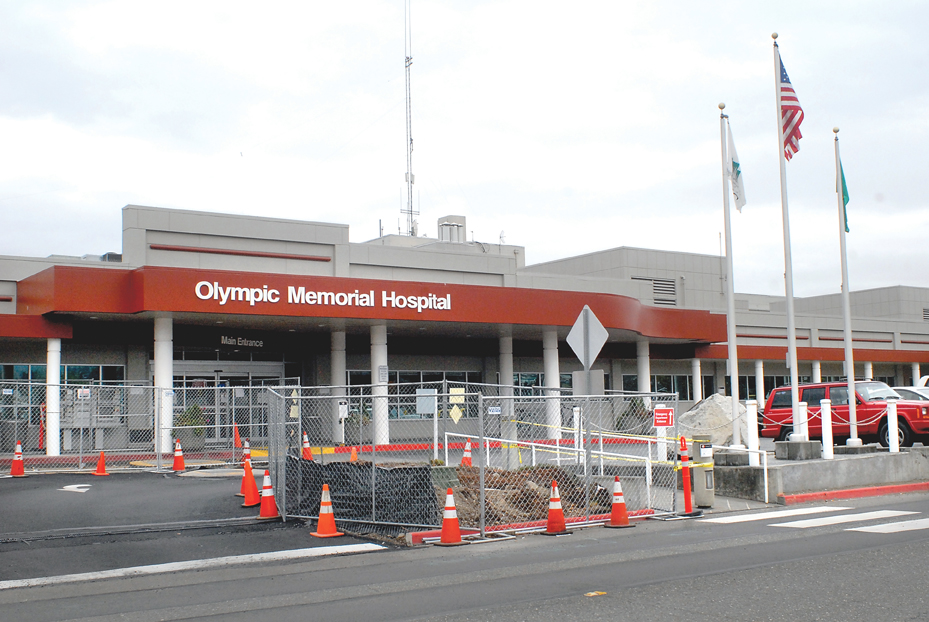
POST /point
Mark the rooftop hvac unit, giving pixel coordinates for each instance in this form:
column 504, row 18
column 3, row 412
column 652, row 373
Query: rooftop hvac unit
column 452, row 229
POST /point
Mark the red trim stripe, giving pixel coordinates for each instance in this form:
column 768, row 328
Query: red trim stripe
column 228, row 251
column 854, row 493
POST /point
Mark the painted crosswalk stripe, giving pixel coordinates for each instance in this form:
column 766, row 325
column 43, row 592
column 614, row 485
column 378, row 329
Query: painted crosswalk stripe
column 196, row 564
column 743, row 518
column 910, row 525
column 842, row 518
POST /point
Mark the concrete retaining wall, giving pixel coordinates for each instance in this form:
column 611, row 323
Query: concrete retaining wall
column 842, row 473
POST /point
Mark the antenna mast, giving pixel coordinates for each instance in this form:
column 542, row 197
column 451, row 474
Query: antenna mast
column 408, row 49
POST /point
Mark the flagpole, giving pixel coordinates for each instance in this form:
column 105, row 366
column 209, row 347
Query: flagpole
column 730, row 288
column 853, row 439
column 799, row 426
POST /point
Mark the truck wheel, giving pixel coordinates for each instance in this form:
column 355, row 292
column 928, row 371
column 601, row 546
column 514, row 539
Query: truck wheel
column 785, row 433
column 904, row 434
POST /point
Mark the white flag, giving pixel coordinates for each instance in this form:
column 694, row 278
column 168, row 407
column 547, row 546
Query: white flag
column 735, row 173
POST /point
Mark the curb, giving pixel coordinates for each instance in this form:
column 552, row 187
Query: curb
column 853, row 493
column 416, row 537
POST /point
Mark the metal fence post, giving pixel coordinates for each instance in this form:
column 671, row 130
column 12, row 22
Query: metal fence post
column 588, row 455
column 374, row 469
column 156, row 425
column 483, row 454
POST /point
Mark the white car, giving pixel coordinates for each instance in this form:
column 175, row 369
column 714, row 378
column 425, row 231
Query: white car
column 917, row 394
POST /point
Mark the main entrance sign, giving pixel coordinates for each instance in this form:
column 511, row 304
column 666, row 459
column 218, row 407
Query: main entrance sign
column 69, row 290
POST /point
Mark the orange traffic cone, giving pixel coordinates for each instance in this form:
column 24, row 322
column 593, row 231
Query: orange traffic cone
column 556, row 525
column 178, row 456
column 307, row 452
column 268, row 505
column 466, row 458
column 354, row 456
column 246, row 453
column 242, row 488
column 451, row 532
column 618, row 516
column 236, row 439
column 249, row 487
column 101, row 466
column 325, row 526
column 18, row 468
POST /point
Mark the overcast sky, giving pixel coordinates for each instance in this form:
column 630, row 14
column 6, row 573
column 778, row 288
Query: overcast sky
column 566, row 127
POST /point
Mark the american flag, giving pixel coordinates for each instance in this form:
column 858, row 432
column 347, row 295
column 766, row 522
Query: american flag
column 791, row 113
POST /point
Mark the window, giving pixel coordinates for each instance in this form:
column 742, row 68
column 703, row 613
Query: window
column 531, row 384
column 402, row 385
column 782, row 399
column 709, row 386
column 839, row 396
column 813, row 396
column 661, row 384
column 22, row 373
column 871, row 391
column 911, row 395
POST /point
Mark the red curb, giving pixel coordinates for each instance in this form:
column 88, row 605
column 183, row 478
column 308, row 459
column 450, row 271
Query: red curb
column 853, row 493
column 416, row 537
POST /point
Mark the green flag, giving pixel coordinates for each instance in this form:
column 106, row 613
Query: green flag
column 735, row 173
column 844, row 190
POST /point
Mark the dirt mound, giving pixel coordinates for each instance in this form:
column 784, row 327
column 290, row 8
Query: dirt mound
column 522, row 496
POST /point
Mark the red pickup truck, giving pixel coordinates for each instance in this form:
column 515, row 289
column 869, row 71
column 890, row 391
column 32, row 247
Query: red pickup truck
column 870, row 411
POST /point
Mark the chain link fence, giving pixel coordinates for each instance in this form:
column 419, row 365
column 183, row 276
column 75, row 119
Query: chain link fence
column 389, row 457
column 206, row 419
column 388, row 452
column 115, row 419
column 134, row 425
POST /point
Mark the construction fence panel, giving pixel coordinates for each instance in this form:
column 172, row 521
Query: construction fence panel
column 582, row 443
column 206, row 419
column 389, row 457
column 382, row 451
column 115, row 419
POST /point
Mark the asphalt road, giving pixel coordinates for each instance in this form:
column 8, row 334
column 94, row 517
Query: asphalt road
column 694, row 569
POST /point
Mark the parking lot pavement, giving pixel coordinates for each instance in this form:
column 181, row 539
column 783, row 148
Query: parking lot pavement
column 56, row 524
column 66, row 501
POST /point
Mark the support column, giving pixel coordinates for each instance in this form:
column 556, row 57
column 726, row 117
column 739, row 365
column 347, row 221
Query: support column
column 552, row 382
column 697, row 379
column 914, row 371
column 507, row 419
column 53, row 398
column 337, row 383
column 164, row 381
column 868, row 371
column 759, row 384
column 379, row 384
column 643, row 366
column 817, row 372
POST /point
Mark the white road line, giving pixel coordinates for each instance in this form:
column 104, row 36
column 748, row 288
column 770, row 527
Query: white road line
column 743, row 518
column 196, row 564
column 844, row 518
column 911, row 525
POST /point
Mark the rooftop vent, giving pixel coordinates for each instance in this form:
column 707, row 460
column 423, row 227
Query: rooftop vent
column 664, row 291
column 452, row 229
